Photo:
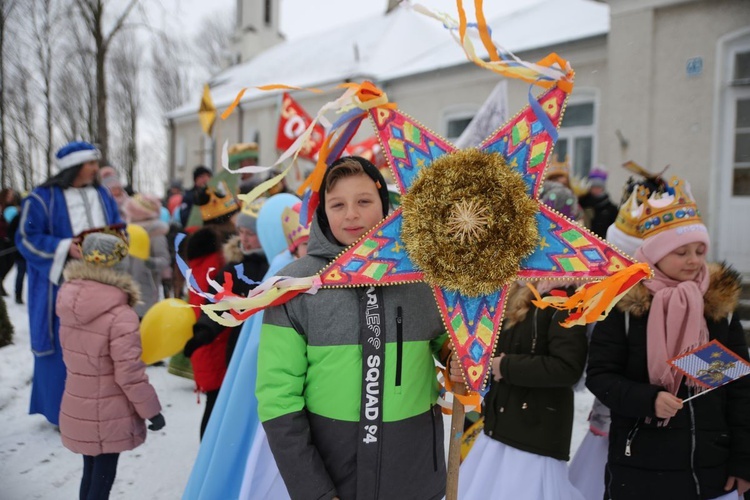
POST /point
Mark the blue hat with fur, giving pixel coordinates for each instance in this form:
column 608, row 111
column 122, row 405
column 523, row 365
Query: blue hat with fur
column 76, row 153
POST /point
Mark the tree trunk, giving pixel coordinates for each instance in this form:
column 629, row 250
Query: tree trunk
column 48, row 119
column 132, row 145
column 102, row 136
column 3, row 152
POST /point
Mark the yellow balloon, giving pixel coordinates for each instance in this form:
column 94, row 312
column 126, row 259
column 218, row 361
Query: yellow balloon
column 165, row 328
column 140, row 243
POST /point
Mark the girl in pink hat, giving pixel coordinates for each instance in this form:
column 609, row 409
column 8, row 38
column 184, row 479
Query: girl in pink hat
column 660, row 447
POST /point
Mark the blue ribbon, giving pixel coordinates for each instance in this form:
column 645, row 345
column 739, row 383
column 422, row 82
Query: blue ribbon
column 542, row 117
column 240, row 271
column 181, row 263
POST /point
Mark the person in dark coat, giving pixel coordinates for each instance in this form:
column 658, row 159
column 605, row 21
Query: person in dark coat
column 204, row 256
column 528, row 410
column 247, row 264
column 201, row 176
column 660, row 446
column 601, row 212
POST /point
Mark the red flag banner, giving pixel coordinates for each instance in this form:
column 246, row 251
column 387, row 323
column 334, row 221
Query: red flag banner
column 369, row 149
column 292, row 123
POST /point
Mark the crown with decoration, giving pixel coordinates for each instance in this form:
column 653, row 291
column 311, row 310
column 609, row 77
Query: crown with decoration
column 557, row 168
column 220, row 202
column 105, row 246
column 630, row 212
column 662, row 211
column 294, row 231
column 252, row 209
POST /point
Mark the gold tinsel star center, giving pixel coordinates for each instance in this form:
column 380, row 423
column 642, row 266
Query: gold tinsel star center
column 468, row 220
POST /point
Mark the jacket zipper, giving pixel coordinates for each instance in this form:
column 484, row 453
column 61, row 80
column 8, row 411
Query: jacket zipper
column 534, row 335
column 692, row 446
column 399, row 343
column 434, row 439
column 631, row 437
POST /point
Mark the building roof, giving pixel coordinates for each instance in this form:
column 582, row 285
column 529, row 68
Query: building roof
column 398, row 44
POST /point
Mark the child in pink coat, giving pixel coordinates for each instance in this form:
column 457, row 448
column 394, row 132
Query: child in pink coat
column 107, row 393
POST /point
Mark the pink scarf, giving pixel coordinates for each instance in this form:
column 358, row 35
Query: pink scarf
column 675, row 323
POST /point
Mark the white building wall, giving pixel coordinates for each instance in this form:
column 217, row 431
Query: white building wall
column 666, row 116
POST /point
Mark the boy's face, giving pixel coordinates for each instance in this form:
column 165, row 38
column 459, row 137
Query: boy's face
column 353, row 207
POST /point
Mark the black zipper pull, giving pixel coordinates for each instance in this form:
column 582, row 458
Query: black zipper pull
column 629, row 440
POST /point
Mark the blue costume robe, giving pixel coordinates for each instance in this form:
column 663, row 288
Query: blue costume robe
column 220, row 466
column 44, row 226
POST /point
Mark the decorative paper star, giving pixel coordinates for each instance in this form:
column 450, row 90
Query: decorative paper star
column 566, row 250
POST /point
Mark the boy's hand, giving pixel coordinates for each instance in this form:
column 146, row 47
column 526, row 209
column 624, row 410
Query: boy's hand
column 455, row 370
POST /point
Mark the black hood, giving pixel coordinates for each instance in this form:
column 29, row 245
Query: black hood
column 371, row 171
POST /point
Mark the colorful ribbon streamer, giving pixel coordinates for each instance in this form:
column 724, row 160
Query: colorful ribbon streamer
column 593, row 301
column 547, row 72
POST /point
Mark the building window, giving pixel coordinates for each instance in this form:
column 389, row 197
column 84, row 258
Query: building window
column 267, row 12
column 456, row 127
column 180, row 152
column 576, row 138
column 741, row 160
column 741, row 69
column 741, row 157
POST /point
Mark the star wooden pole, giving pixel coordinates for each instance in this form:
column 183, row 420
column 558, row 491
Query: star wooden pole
column 454, row 447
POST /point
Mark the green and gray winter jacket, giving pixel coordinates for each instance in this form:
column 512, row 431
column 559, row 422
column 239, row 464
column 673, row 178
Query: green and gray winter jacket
column 310, row 383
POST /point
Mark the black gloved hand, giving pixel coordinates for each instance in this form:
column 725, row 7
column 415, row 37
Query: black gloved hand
column 157, row 422
column 201, row 336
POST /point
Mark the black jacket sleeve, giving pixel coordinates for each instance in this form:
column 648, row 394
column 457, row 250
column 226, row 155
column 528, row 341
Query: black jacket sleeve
column 606, row 376
column 738, row 407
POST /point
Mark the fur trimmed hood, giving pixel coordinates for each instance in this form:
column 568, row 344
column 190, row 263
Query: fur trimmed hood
column 80, row 270
column 520, row 297
column 231, row 249
column 720, row 300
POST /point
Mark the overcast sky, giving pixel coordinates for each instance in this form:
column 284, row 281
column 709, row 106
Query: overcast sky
column 303, row 17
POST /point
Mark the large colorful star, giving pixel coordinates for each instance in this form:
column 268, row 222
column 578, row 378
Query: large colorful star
column 565, row 250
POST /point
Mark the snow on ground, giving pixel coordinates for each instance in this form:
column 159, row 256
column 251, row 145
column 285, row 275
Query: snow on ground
column 35, row 465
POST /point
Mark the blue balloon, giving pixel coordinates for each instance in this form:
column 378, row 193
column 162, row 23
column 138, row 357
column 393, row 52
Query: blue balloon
column 164, row 215
column 10, row 213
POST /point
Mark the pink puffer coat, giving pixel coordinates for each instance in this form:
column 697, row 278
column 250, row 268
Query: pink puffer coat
column 107, row 393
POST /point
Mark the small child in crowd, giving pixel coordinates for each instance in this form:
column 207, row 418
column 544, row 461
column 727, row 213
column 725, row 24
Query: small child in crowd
column 107, row 393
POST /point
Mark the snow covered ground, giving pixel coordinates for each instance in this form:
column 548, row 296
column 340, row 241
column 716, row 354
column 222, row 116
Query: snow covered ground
column 35, row 465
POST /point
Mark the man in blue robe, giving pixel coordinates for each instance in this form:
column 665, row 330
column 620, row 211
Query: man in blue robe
column 52, row 218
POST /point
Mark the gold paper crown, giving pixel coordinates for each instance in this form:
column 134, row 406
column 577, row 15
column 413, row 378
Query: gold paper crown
column 667, row 211
column 242, row 151
column 220, row 202
column 557, row 168
column 630, row 212
column 111, row 256
column 294, row 232
column 253, row 208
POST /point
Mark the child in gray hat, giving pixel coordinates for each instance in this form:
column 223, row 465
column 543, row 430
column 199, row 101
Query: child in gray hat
column 105, row 404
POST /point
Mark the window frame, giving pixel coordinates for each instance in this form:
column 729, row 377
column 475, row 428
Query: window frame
column 569, row 134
